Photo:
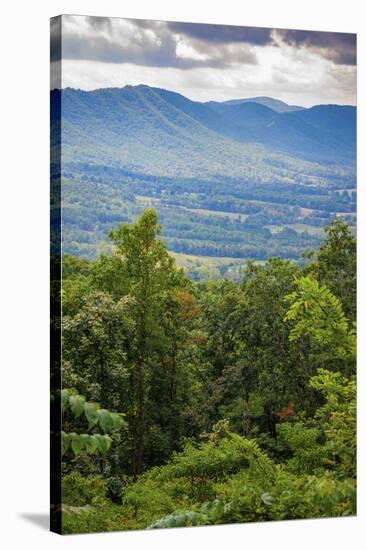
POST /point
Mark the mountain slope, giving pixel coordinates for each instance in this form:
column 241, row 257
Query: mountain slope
column 321, row 134
column 153, row 130
column 274, row 104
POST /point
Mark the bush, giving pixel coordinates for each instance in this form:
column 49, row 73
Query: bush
column 309, row 453
column 80, row 491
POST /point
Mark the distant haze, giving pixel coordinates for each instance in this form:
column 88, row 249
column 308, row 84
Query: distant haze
column 210, row 62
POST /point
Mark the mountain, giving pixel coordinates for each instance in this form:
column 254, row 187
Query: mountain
column 324, row 133
column 229, row 179
column 274, row 104
column 135, row 120
column 338, row 121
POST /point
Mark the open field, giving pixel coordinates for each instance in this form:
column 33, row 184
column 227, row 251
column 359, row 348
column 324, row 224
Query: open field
column 219, row 213
column 298, row 227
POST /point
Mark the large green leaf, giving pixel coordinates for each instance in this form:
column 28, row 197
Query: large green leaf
column 118, row 421
column 90, row 443
column 105, row 420
column 104, row 443
column 77, row 443
column 77, row 404
column 91, row 413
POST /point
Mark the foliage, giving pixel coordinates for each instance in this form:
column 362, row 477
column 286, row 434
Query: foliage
column 110, row 423
column 318, row 315
column 303, row 441
column 215, row 459
column 95, row 345
column 238, row 398
column 337, row 416
column 83, row 491
column 335, row 264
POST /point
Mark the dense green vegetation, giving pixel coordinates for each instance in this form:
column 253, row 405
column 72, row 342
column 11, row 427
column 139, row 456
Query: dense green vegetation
column 202, row 220
column 199, row 403
column 258, row 183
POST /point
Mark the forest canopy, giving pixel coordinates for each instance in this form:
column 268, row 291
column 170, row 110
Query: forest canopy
column 198, row 403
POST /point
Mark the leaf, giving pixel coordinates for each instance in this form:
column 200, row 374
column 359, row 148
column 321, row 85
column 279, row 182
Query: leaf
column 105, row 420
column 64, row 399
column 91, row 413
column 77, row 443
column 65, row 442
column 90, row 443
column 77, row 404
column 117, row 421
column 267, row 498
column 104, row 443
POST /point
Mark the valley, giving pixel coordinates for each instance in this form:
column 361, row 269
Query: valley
column 236, row 180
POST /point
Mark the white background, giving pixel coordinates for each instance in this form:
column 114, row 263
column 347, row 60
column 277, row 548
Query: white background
column 24, row 272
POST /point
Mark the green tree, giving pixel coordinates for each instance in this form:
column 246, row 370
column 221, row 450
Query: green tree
column 268, row 357
column 337, row 418
column 149, row 275
column 317, row 316
column 96, row 342
column 335, row 264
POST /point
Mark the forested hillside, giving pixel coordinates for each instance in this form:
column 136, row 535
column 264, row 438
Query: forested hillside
column 232, row 181
column 198, row 403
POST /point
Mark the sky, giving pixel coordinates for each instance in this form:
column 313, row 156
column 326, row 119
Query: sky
column 208, row 62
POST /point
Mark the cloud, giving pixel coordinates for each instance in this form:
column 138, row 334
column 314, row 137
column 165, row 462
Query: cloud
column 155, row 43
column 206, row 62
column 337, row 47
column 224, row 34
column 98, row 23
column 189, row 45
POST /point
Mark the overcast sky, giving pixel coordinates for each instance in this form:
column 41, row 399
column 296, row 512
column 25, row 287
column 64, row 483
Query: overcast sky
column 206, row 62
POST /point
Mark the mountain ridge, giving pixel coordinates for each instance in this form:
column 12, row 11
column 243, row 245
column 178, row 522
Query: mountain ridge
column 274, row 103
column 307, row 134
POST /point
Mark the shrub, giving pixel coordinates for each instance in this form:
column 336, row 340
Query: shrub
column 79, row 491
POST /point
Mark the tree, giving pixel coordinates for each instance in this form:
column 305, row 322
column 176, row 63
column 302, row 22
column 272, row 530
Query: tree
column 268, row 357
column 149, row 274
column 337, row 417
column 318, row 316
column 95, row 343
column 335, row 264
column 239, row 398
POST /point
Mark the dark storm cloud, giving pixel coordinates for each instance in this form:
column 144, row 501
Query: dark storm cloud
column 337, row 47
column 188, row 45
column 137, row 48
column 224, row 34
column 150, row 43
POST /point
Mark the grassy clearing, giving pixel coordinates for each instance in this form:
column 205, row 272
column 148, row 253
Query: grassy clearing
column 147, row 201
column 219, row 213
column 298, row 227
